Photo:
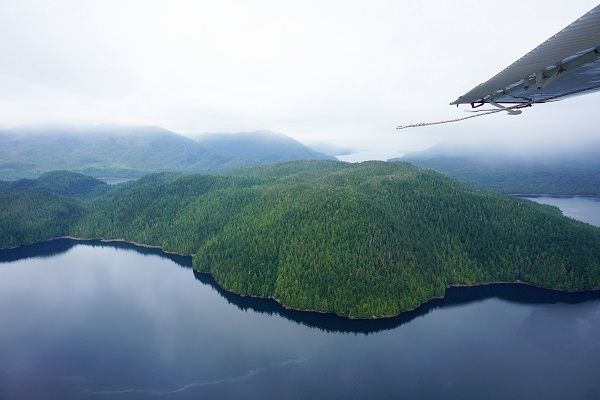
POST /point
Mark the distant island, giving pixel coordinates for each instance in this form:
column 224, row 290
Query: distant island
column 133, row 151
column 364, row 240
column 564, row 171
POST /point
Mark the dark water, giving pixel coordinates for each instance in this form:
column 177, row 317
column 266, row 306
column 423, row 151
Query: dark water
column 586, row 209
column 111, row 321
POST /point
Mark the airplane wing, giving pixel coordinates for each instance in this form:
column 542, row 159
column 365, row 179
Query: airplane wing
column 567, row 64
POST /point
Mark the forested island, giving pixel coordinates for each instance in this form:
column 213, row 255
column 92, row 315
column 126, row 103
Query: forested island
column 361, row 240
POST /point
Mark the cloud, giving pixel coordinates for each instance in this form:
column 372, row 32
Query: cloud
column 340, row 71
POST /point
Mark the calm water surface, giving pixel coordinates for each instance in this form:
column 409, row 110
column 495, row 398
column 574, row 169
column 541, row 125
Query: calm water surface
column 586, row 209
column 112, row 321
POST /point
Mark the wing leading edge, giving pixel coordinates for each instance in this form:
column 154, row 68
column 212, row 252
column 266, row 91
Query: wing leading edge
column 565, row 65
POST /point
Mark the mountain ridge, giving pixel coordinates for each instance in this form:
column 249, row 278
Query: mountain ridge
column 134, row 151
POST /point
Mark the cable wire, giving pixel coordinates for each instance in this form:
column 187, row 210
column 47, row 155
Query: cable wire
column 448, row 121
column 488, row 112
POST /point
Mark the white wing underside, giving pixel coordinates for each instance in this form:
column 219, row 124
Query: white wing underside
column 565, row 65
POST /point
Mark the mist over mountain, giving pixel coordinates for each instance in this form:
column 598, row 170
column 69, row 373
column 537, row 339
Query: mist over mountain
column 332, row 149
column 550, row 167
column 258, row 147
column 540, row 152
column 133, row 151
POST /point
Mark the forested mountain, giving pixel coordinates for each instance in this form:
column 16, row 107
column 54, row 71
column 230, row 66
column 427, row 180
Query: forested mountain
column 260, row 147
column 569, row 171
column 364, row 240
column 101, row 151
column 121, row 151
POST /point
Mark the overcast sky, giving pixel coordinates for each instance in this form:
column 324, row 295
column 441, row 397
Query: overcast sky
column 345, row 72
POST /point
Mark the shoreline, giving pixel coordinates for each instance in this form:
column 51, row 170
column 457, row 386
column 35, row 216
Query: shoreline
column 555, row 196
column 98, row 239
column 272, row 298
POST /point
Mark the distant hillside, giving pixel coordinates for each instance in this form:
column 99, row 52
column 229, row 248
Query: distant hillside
column 260, row 147
column 569, row 170
column 100, row 151
column 121, row 151
column 62, row 183
column 365, row 240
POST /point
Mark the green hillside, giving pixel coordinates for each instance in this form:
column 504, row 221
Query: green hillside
column 364, row 240
column 32, row 216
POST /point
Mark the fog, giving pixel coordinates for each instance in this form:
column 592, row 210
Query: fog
column 340, row 73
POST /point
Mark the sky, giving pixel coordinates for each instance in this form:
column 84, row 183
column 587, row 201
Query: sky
column 342, row 72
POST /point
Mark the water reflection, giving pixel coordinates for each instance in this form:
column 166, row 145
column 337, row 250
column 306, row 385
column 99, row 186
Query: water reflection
column 111, row 320
column 456, row 296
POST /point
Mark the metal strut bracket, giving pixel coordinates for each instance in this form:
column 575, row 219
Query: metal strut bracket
column 510, row 111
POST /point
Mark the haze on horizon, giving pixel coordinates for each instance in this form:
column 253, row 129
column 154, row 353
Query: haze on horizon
column 340, row 72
